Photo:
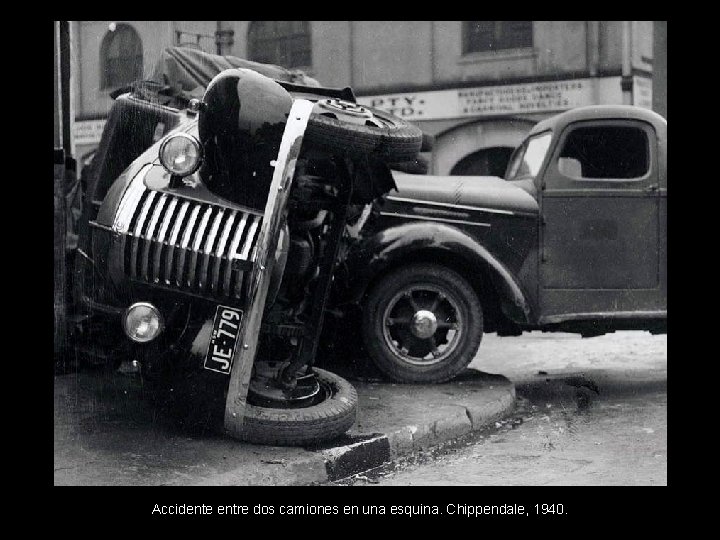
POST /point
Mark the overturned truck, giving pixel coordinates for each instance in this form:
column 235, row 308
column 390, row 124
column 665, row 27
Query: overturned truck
column 215, row 214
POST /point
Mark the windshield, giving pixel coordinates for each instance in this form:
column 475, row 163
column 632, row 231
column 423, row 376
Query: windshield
column 527, row 160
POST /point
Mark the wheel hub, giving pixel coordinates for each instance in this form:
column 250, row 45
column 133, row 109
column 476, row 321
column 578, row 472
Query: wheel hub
column 424, row 324
column 265, row 392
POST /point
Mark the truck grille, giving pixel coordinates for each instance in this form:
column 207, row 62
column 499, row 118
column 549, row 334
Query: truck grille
column 182, row 243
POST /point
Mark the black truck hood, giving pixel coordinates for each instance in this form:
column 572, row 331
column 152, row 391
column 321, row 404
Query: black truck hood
column 472, row 191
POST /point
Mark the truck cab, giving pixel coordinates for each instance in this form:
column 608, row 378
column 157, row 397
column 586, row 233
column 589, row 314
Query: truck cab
column 600, row 176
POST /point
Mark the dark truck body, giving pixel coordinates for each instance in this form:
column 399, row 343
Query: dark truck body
column 547, row 248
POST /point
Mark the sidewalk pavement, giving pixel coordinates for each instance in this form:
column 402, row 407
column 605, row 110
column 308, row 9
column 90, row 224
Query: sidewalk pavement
column 107, row 432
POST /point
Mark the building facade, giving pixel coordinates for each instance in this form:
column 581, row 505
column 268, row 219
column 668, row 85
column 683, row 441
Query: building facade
column 477, row 86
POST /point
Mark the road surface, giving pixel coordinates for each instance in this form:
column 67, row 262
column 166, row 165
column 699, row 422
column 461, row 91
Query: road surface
column 592, row 412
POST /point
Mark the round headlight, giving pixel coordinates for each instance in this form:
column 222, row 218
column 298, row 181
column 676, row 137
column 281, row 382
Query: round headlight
column 181, row 154
column 142, row 322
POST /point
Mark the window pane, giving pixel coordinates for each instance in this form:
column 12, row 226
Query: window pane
column 527, row 162
column 516, row 34
column 479, row 36
column 121, row 57
column 612, row 152
column 286, row 43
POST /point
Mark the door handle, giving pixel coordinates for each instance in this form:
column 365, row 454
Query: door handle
column 652, row 188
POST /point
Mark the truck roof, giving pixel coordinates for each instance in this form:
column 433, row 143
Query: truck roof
column 602, row 112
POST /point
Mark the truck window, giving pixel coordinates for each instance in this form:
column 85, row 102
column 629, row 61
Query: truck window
column 608, row 152
column 529, row 158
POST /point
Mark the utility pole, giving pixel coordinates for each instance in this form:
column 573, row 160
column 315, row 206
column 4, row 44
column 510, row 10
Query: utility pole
column 64, row 167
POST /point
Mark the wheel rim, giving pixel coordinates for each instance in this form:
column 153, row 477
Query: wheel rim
column 350, row 112
column 423, row 324
column 309, row 392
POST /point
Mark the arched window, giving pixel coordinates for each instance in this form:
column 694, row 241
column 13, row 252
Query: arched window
column 121, row 56
column 483, row 36
column 486, row 162
column 286, row 43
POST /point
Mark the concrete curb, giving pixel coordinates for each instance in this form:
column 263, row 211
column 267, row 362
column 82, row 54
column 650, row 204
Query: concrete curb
column 344, row 461
column 101, row 423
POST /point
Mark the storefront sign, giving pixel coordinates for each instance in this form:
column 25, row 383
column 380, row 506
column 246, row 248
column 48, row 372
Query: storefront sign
column 489, row 100
column 642, row 92
column 88, row 131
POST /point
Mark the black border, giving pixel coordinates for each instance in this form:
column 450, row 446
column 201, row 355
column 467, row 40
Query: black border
column 596, row 508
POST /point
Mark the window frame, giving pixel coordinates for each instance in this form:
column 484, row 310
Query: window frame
column 466, row 50
column 106, row 81
column 556, row 180
column 520, row 152
column 280, row 41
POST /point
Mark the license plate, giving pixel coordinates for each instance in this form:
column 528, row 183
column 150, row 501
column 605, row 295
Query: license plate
column 224, row 338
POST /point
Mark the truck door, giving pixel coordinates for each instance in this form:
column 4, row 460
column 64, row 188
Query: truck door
column 600, row 239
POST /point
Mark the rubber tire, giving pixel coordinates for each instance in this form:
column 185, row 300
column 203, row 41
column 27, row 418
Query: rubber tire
column 310, row 425
column 372, row 324
column 399, row 142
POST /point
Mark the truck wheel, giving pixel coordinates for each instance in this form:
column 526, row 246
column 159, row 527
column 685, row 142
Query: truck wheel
column 342, row 126
column 422, row 324
column 329, row 418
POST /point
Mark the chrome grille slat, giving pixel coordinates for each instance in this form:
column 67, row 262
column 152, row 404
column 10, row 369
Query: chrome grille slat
column 247, row 245
column 214, row 284
column 149, row 235
column 209, row 243
column 184, row 245
column 196, row 246
column 231, row 250
column 173, row 240
column 167, row 219
column 189, row 244
column 137, row 232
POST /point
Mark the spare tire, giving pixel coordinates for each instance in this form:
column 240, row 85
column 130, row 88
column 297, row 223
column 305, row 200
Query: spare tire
column 341, row 126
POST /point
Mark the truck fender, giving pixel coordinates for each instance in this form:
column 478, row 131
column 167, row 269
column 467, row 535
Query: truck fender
column 389, row 247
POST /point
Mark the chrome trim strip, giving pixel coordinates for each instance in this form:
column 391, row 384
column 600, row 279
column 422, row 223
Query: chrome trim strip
column 442, row 220
column 263, row 255
column 449, row 205
column 604, row 315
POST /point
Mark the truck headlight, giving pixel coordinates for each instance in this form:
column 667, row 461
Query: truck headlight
column 181, row 154
column 142, row 322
